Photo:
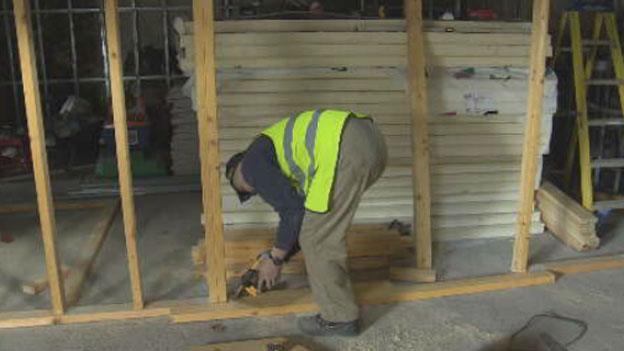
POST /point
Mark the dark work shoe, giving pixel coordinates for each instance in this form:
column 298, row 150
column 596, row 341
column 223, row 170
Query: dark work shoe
column 317, row 326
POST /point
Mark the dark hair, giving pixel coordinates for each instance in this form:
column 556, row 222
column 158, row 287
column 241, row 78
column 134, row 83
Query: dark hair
column 230, row 168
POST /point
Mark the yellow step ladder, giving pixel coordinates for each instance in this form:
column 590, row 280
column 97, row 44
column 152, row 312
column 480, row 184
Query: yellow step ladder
column 584, row 53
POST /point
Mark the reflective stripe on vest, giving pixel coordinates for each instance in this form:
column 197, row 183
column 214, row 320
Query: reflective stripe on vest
column 308, row 164
column 310, row 142
column 288, row 152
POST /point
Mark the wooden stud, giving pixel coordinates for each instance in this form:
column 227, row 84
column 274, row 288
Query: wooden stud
column 420, row 132
column 206, row 91
column 36, row 130
column 530, row 148
column 123, row 151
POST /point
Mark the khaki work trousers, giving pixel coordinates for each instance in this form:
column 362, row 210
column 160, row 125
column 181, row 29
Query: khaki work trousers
column 363, row 157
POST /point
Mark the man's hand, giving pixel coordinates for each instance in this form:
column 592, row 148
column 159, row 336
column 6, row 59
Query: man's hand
column 269, row 272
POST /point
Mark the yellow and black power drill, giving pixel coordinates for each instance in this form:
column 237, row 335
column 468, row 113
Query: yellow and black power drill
column 249, row 280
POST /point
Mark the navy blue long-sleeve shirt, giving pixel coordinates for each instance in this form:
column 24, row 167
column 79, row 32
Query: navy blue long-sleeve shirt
column 262, row 171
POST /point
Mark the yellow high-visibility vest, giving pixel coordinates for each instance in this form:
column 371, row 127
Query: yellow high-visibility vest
column 307, row 147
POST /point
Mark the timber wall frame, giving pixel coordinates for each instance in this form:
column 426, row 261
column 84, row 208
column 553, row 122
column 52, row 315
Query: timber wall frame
column 279, row 302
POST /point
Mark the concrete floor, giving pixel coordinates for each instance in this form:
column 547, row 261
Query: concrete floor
column 168, row 225
column 478, row 322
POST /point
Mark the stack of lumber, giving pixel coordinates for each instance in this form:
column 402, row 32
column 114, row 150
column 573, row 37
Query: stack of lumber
column 184, row 141
column 566, row 219
column 369, row 247
column 368, row 43
column 477, row 101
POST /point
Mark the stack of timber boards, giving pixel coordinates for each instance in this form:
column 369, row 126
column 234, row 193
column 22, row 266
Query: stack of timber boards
column 477, row 101
column 184, row 140
column 368, row 246
column 566, row 219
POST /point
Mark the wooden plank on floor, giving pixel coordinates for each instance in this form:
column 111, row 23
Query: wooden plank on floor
column 281, row 344
column 370, row 293
column 583, row 265
column 206, row 90
column 124, row 166
column 531, row 135
column 81, row 268
column 75, row 276
column 41, row 284
column 36, row 131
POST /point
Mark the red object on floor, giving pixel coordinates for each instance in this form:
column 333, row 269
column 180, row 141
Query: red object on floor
column 6, row 238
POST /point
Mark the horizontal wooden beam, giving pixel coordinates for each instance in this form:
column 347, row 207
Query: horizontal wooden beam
column 342, row 25
column 379, row 292
column 73, row 205
column 37, row 318
column 385, row 25
column 584, row 265
column 412, row 274
column 300, row 300
column 120, row 312
column 78, row 315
